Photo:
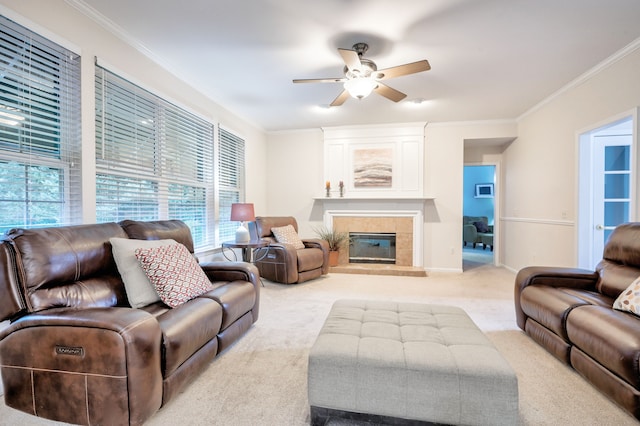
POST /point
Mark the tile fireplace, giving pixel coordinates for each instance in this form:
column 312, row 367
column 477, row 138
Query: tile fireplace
column 401, row 216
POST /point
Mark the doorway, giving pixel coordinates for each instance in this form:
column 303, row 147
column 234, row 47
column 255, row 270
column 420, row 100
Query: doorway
column 606, row 186
column 479, row 202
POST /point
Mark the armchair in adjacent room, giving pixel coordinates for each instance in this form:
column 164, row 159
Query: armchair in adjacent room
column 476, row 230
column 289, row 259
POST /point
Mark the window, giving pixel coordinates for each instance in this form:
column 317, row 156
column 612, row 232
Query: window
column 40, row 140
column 154, row 160
column 231, row 180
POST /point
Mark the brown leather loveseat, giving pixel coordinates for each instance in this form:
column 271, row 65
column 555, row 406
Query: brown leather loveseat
column 570, row 313
column 77, row 352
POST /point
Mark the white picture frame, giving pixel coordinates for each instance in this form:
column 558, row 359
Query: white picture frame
column 484, row 190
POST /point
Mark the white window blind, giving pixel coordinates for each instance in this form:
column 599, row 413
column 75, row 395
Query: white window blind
column 40, row 138
column 154, row 160
column 231, row 180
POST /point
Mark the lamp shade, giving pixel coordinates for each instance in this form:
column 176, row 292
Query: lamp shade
column 360, row 87
column 242, row 212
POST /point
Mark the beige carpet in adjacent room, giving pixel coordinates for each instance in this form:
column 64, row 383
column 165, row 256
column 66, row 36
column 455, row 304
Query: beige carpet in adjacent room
column 261, row 380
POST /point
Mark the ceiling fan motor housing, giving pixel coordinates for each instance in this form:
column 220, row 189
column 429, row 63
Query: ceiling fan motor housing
column 368, row 67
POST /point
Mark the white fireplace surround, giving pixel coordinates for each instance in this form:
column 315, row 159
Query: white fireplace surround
column 415, row 214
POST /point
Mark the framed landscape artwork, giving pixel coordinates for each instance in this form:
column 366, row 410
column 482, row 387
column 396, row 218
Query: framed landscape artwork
column 373, row 168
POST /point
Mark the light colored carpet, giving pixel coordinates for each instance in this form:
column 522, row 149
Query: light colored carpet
column 261, row 380
column 475, row 257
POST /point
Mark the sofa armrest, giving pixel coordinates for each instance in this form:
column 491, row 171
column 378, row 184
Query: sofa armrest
column 107, row 360
column 554, row 277
column 469, row 233
column 316, row 243
column 235, row 271
column 322, row 245
column 282, row 260
column 231, row 271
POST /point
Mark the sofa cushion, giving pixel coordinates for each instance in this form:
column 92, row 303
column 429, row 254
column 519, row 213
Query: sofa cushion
column 288, row 235
column 236, row 298
column 187, row 329
column 615, row 278
column 549, row 306
column 140, row 291
column 608, row 336
column 629, row 300
column 174, row 273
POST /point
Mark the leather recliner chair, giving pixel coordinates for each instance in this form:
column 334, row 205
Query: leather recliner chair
column 282, row 262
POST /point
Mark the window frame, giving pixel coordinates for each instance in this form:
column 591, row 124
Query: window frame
column 177, row 134
column 43, row 94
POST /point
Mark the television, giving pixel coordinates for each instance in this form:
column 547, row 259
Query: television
column 484, row 190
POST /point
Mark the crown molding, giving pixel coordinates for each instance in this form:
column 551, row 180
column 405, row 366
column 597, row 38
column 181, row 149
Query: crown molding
column 611, row 60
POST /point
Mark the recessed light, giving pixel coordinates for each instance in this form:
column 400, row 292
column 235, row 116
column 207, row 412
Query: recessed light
column 324, row 108
column 417, row 102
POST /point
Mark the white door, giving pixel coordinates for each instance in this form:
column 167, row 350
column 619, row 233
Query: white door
column 605, row 187
column 612, row 177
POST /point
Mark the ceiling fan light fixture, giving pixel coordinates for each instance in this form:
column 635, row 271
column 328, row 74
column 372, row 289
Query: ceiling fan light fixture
column 360, row 87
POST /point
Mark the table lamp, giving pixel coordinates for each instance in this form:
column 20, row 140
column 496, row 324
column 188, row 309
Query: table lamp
column 242, row 212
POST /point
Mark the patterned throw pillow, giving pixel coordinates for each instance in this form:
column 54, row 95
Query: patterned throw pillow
column 174, row 273
column 140, row 291
column 629, row 300
column 288, row 235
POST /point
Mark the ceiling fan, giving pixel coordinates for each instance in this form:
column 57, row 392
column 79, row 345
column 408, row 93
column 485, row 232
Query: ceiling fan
column 361, row 76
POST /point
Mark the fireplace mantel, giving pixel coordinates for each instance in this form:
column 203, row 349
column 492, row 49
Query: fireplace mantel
column 391, row 199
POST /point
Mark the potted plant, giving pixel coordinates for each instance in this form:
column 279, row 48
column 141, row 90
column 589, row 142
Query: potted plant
column 335, row 239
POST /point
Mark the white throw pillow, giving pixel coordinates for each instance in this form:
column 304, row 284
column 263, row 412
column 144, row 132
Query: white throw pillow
column 140, row 291
column 288, row 235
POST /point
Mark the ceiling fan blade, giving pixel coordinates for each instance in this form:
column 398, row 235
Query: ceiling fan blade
column 389, row 93
column 342, row 97
column 401, row 70
column 351, row 59
column 320, row 80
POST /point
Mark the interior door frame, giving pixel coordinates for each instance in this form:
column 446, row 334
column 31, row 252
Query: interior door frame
column 496, row 205
column 584, row 200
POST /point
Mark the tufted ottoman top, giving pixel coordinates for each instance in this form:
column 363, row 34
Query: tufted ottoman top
column 410, row 361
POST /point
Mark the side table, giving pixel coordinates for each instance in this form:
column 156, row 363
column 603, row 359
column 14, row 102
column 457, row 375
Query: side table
column 247, row 249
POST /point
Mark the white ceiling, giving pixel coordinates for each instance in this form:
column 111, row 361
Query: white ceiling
column 490, row 59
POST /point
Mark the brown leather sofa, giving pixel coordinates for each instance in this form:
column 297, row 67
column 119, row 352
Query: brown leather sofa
column 76, row 352
column 283, row 263
column 570, row 313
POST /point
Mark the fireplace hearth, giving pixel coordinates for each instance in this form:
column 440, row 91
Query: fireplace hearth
column 372, row 247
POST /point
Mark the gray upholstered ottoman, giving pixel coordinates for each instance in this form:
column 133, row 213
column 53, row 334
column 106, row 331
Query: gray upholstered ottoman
column 389, row 362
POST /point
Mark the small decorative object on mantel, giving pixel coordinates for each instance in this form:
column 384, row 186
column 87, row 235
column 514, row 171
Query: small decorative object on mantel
column 327, row 186
column 341, row 186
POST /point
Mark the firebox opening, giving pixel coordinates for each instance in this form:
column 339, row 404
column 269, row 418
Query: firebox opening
column 372, row 247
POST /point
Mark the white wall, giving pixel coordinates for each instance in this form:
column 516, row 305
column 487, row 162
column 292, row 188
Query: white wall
column 294, row 177
column 444, row 164
column 58, row 21
column 540, row 192
column 296, row 164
